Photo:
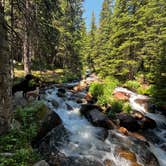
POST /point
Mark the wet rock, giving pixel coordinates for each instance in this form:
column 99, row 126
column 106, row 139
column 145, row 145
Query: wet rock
column 128, row 155
column 55, row 103
column 88, row 97
column 88, row 107
column 69, row 107
column 97, row 118
column 81, row 101
column 163, row 147
column 51, row 143
column 61, row 160
column 138, row 147
column 41, row 163
column 123, row 130
column 148, row 123
column 128, row 122
column 137, row 115
column 132, row 134
column 62, row 90
column 50, row 121
column 108, row 162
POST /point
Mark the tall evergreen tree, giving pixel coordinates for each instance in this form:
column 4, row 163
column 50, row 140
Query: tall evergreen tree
column 91, row 55
column 103, row 35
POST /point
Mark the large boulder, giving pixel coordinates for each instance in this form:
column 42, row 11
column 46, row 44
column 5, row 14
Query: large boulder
column 49, row 122
column 52, row 142
column 96, row 117
column 129, row 122
column 144, row 121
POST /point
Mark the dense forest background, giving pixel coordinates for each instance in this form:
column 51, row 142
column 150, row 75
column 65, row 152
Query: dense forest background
column 128, row 43
column 130, row 40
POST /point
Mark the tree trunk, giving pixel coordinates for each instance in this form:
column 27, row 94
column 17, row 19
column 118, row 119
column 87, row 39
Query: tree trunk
column 5, row 89
column 26, row 55
column 12, row 39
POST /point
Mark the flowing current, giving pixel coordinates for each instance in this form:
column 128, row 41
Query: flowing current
column 159, row 132
column 84, row 138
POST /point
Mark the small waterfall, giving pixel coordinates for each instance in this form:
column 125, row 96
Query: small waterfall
column 84, row 139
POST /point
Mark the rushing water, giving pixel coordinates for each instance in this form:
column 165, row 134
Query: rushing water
column 84, row 138
column 160, row 120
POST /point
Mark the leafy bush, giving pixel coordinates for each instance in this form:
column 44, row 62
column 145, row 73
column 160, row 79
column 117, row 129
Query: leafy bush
column 132, row 84
column 103, row 91
column 126, row 108
column 96, row 89
column 116, row 105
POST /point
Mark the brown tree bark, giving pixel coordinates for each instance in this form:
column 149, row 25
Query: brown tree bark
column 5, row 88
column 26, row 54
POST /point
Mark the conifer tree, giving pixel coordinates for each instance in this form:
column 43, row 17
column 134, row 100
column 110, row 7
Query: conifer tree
column 92, row 43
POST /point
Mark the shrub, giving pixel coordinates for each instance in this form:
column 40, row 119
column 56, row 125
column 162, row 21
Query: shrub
column 18, row 140
column 103, row 91
column 126, row 108
column 116, row 105
column 132, row 84
column 96, row 89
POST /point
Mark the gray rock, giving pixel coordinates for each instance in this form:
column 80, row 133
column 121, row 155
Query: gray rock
column 41, row 163
column 61, row 160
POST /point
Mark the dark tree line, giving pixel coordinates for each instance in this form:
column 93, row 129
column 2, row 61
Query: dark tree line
column 130, row 41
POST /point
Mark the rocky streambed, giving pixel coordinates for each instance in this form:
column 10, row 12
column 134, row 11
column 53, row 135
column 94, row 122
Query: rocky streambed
column 81, row 135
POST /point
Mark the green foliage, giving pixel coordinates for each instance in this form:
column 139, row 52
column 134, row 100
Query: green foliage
column 126, row 108
column 132, row 84
column 18, row 140
column 103, row 91
column 116, row 105
column 96, row 89
column 68, row 77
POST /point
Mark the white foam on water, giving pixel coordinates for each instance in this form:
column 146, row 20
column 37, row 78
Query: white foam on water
column 84, row 141
column 160, row 120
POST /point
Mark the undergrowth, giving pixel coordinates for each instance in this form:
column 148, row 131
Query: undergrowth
column 15, row 146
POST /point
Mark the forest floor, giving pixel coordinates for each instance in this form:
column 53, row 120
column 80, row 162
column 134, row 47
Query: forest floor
column 56, row 75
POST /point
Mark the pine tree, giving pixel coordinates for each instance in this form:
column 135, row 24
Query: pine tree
column 91, row 55
column 103, row 35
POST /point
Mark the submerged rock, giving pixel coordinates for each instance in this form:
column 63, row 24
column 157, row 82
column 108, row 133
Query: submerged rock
column 138, row 147
column 41, row 163
column 62, row 160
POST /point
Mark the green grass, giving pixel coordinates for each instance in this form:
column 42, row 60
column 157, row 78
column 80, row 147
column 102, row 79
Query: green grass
column 47, row 76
